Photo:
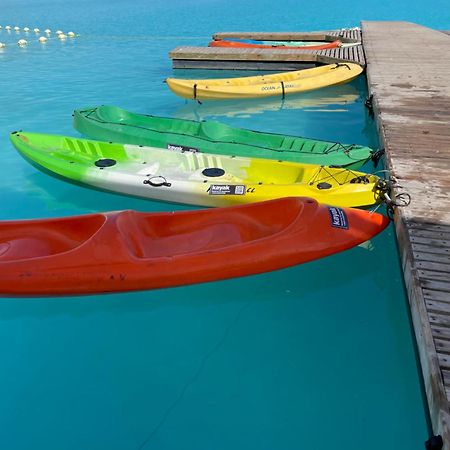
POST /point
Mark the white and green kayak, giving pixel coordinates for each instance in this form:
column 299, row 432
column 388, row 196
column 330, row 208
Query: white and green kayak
column 192, row 177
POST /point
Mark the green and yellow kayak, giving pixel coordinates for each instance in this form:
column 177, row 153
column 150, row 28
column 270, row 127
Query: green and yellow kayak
column 110, row 123
column 190, row 177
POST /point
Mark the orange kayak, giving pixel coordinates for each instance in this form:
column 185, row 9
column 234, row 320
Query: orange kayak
column 236, row 44
column 129, row 250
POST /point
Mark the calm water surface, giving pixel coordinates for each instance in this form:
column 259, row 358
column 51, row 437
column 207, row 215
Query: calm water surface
column 317, row 356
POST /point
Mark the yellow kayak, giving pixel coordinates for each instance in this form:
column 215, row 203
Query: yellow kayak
column 265, row 85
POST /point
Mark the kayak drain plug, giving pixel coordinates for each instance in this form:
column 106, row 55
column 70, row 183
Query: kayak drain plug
column 105, row 162
column 213, row 172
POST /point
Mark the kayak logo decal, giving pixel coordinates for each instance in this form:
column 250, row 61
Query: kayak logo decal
column 182, row 148
column 157, row 181
column 338, row 218
column 227, row 189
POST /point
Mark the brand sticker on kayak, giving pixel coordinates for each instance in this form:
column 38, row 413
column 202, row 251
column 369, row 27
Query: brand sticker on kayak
column 338, row 218
column 182, row 148
column 227, row 189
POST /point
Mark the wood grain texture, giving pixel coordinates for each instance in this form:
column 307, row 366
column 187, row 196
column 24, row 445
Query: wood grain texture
column 410, row 84
column 329, row 36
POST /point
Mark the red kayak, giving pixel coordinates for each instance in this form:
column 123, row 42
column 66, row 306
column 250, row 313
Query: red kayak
column 235, row 44
column 129, row 250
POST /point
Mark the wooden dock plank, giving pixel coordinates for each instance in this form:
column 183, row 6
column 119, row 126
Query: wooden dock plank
column 440, row 333
column 411, row 96
column 344, row 35
column 237, row 54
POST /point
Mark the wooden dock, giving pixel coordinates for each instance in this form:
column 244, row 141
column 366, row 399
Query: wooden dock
column 269, row 59
column 410, row 84
column 409, row 81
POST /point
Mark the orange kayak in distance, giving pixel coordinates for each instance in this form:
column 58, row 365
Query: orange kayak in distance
column 128, row 250
column 236, row 44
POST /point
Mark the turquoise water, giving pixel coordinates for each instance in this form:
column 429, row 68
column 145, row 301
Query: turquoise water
column 316, row 356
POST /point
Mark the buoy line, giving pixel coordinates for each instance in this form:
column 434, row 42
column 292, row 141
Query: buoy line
column 40, row 37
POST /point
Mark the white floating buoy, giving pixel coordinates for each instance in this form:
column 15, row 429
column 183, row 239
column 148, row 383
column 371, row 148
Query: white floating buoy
column 71, row 34
column 2, row 44
column 47, row 31
column 42, row 39
column 36, row 30
column 26, row 29
column 0, row 27
column 62, row 36
column 16, row 28
column 59, row 32
column 22, row 42
column 7, row 27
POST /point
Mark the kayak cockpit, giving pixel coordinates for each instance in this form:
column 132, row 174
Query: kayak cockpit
column 166, row 236
column 23, row 241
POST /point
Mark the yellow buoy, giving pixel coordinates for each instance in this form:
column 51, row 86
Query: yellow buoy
column 42, row 39
column 62, row 36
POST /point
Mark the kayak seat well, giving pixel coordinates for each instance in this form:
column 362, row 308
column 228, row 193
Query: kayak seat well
column 43, row 239
column 216, row 131
column 121, row 117
column 184, row 234
column 111, row 114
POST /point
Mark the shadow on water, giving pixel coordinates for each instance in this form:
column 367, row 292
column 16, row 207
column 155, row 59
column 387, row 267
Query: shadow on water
column 334, row 98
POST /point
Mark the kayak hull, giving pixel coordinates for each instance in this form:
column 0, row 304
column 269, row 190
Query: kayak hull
column 110, row 123
column 191, row 177
column 237, row 44
column 305, row 45
column 281, row 84
column 129, row 251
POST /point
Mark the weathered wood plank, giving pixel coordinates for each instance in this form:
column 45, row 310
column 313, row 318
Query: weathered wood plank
column 285, row 36
column 432, row 257
column 436, row 285
column 431, row 294
column 439, row 320
column 442, row 346
column 240, row 54
column 241, row 65
column 438, row 307
column 441, row 332
column 444, row 360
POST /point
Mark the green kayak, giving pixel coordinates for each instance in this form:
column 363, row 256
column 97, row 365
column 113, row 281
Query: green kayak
column 110, row 123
